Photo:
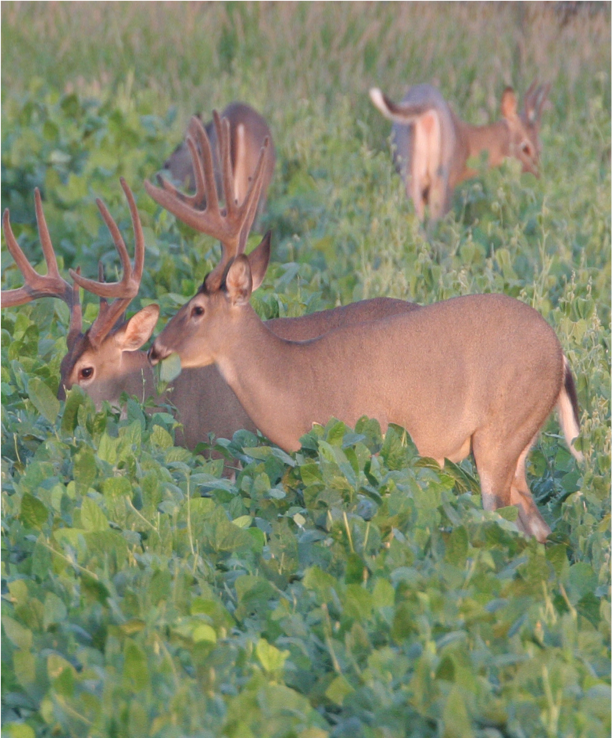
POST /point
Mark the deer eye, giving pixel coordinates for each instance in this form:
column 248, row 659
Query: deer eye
column 86, row 372
column 197, row 310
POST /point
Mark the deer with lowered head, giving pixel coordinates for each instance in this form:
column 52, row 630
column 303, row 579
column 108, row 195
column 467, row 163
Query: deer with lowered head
column 479, row 373
column 106, row 360
column 248, row 130
column 432, row 145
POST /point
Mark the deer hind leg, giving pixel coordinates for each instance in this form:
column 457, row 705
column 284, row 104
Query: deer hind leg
column 530, row 518
column 503, row 482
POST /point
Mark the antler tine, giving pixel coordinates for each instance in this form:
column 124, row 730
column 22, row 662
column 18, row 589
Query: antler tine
column 541, row 96
column 36, row 285
column 248, row 208
column 529, row 98
column 203, row 165
column 76, row 316
column 222, row 128
column 127, row 288
column 129, row 285
column 188, row 208
column 253, row 199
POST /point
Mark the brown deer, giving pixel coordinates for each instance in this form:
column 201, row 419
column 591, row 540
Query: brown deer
column 248, row 131
column 106, row 360
column 432, row 145
column 479, row 373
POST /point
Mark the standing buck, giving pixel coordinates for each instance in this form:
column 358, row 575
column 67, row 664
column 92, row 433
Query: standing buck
column 248, row 131
column 106, row 360
column 479, row 373
column 432, row 145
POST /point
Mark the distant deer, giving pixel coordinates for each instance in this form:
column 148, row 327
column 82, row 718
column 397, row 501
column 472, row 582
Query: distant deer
column 432, row 145
column 479, row 373
column 106, row 361
column 248, row 131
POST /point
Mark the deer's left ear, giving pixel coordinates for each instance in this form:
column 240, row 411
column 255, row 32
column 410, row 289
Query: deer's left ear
column 509, row 103
column 259, row 259
column 136, row 332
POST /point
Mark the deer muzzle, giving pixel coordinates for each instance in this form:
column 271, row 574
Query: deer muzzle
column 158, row 353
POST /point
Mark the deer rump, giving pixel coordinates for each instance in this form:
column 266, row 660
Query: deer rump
column 424, row 150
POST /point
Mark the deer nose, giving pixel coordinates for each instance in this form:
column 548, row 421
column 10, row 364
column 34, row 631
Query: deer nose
column 157, row 353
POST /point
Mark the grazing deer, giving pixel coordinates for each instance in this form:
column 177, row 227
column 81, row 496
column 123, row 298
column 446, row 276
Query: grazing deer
column 432, row 145
column 479, row 373
column 106, row 360
column 248, row 131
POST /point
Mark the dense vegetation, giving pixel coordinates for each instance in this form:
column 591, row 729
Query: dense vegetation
column 351, row 589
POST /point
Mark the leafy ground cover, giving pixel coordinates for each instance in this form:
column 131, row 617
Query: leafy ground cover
column 352, row 588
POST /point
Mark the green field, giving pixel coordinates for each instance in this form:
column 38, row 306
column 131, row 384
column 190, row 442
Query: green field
column 351, row 589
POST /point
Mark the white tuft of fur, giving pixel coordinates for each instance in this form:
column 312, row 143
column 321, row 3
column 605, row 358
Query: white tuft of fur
column 377, row 98
column 569, row 425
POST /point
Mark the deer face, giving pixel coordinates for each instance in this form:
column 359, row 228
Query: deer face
column 205, row 324
column 106, row 370
column 524, row 127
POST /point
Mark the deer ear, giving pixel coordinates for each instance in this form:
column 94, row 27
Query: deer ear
column 239, row 281
column 137, row 331
column 259, row 259
column 508, row 103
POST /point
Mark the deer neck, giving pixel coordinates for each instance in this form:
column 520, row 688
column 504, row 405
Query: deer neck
column 493, row 138
column 268, row 377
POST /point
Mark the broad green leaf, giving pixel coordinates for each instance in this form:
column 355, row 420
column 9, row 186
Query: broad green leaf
column 18, row 635
column 43, row 399
column 205, row 633
column 170, row 368
column 55, row 610
column 135, row 667
column 270, row 657
column 92, row 518
column 338, row 690
column 33, row 512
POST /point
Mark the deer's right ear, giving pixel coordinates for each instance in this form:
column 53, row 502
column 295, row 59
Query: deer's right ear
column 239, row 281
column 259, row 259
column 509, row 103
column 137, row 331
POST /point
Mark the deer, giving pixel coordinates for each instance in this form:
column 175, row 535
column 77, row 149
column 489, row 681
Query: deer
column 107, row 360
column 432, row 145
column 476, row 373
column 248, row 130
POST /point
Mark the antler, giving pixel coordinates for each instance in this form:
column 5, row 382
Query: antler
column 230, row 226
column 534, row 100
column 125, row 290
column 38, row 285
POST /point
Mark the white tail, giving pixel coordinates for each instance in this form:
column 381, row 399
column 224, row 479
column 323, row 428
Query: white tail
column 432, row 145
column 478, row 373
column 248, row 131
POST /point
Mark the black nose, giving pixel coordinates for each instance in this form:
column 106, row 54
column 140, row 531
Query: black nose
column 157, row 354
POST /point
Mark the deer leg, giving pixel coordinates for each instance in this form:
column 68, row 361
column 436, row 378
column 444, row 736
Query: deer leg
column 530, row 518
column 503, row 482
